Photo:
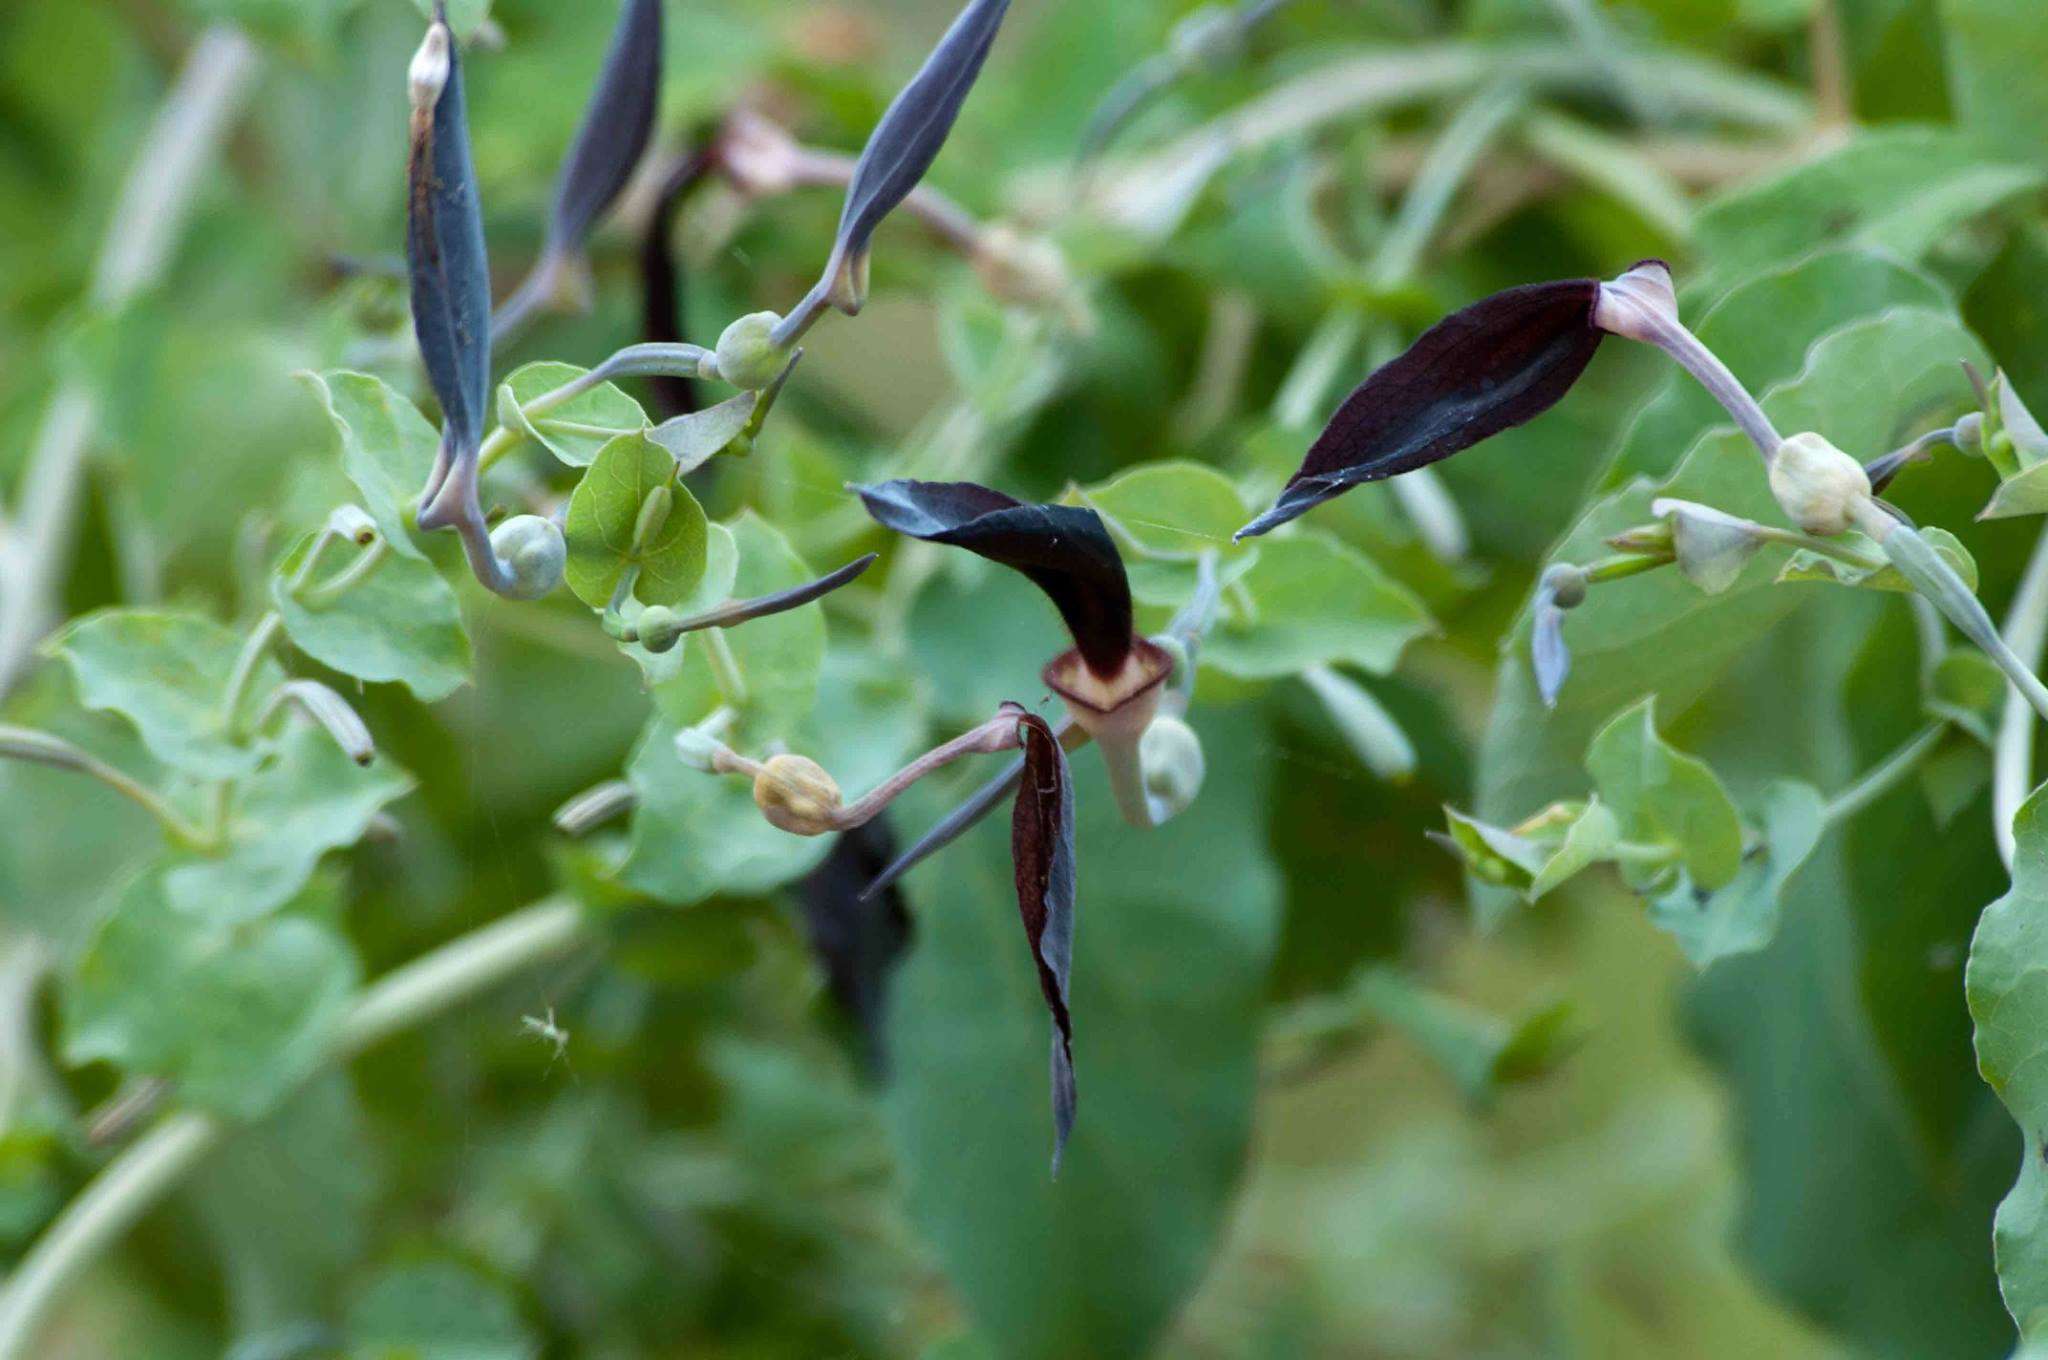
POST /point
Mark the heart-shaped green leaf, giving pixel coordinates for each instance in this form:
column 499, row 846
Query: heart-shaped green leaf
column 604, row 518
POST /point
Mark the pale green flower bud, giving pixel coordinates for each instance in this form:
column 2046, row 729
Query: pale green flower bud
column 748, row 356
column 534, row 552
column 1817, row 484
column 1171, row 756
column 659, row 628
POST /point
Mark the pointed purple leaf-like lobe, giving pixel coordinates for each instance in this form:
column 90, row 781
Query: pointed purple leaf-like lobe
column 1498, row 363
column 1042, row 850
column 903, row 146
column 616, row 128
column 450, row 272
column 1065, row 550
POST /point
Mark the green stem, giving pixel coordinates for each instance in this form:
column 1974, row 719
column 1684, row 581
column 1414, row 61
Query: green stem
column 725, row 668
column 237, row 695
column 1883, row 777
column 140, row 1177
column 21, row 743
column 2012, row 765
column 358, row 571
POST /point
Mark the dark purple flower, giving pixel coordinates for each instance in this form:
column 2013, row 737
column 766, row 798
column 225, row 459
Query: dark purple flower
column 661, row 279
column 615, row 130
column 1065, row 550
column 1498, row 363
column 1042, row 850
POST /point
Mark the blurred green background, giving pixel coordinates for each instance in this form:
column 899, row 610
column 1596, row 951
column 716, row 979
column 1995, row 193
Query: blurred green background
column 1792, row 1157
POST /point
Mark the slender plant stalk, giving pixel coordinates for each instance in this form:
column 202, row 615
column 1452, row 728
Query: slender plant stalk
column 148, row 217
column 140, row 1177
column 21, row 743
column 1884, row 776
column 2026, row 631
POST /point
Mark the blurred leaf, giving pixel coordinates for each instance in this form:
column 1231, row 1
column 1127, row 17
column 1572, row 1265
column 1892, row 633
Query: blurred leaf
column 1997, row 51
column 168, row 674
column 1664, row 796
column 430, row 1309
column 1896, row 190
column 235, row 1015
column 1313, row 602
column 308, row 801
column 402, row 623
column 1741, row 916
column 1805, row 565
column 1174, row 512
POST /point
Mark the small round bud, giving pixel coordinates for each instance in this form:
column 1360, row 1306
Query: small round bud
column 795, row 794
column 1970, row 434
column 748, row 356
column 1817, row 484
column 1566, row 585
column 659, row 628
column 1171, row 756
column 533, row 549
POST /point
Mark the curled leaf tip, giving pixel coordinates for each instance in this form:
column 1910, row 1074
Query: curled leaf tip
column 1498, row 363
column 1065, row 550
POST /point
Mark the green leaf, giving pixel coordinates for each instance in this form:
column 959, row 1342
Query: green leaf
column 721, row 570
column 578, row 429
column 1742, row 916
column 2007, row 985
column 1997, row 52
column 696, row 438
column 1172, row 513
column 1900, row 190
column 605, row 512
column 429, row 1309
column 1664, row 796
column 1968, row 689
column 310, row 800
column 1806, row 565
column 1313, row 602
column 1537, row 857
column 168, row 674
column 236, row 1014
column 401, row 623
column 387, row 449
column 1176, row 930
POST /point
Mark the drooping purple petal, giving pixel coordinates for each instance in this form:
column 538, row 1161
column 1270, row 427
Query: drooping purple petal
column 858, row 939
column 661, row 280
column 1498, row 363
column 1042, row 850
column 1065, row 550
column 446, row 259
column 901, row 149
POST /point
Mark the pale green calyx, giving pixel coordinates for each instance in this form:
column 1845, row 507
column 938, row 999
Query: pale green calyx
column 747, row 354
column 1171, row 756
column 1818, row 485
column 534, row 553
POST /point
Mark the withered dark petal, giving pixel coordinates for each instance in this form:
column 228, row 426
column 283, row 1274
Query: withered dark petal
column 1066, row 550
column 858, row 939
column 1042, row 851
column 1496, row 364
column 912, row 130
column 449, row 269
column 661, row 280
column 615, row 130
